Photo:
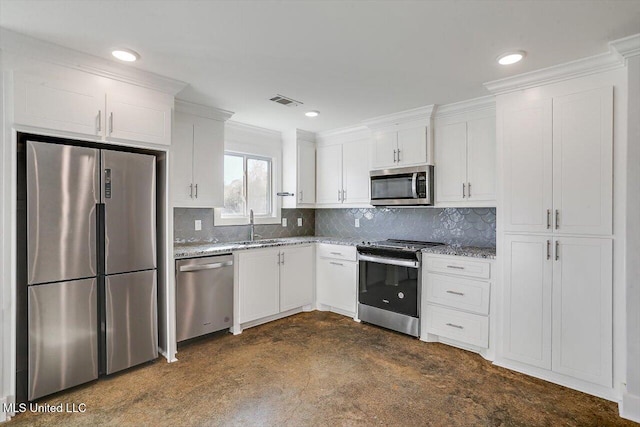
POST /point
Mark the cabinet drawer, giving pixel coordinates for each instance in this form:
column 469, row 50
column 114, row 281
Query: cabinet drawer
column 460, row 266
column 347, row 253
column 464, row 327
column 456, row 292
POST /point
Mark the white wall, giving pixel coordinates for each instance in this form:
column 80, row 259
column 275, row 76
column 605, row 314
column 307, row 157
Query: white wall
column 631, row 399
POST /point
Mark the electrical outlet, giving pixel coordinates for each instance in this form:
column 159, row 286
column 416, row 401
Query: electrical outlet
column 357, row 222
column 198, row 225
column 299, row 222
column 284, row 222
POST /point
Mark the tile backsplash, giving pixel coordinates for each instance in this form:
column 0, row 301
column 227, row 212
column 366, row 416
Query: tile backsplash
column 184, row 232
column 462, row 226
column 459, row 226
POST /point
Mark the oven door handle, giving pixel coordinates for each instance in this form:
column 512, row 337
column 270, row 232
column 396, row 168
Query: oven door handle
column 390, row 261
column 414, row 185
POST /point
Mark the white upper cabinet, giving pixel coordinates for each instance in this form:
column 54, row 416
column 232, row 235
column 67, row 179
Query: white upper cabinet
column 400, row 146
column 299, row 169
column 329, row 186
column 343, row 168
column 73, row 101
column 197, row 156
column 558, row 170
column 465, row 158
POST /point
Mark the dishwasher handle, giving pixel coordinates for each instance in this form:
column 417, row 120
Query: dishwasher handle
column 200, row 267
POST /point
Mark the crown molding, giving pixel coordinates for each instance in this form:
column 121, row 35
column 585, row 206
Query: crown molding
column 23, row 45
column 421, row 113
column 202, row 110
column 244, row 127
column 466, row 106
column 627, row 47
column 347, row 132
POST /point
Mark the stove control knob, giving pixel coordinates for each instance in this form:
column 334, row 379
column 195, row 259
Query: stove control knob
column 401, row 295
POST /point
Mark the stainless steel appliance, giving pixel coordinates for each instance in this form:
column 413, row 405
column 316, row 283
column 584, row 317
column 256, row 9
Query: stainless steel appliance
column 411, row 186
column 91, row 263
column 204, row 295
column 390, row 284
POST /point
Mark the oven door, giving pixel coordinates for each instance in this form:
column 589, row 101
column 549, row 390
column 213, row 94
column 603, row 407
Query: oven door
column 390, row 284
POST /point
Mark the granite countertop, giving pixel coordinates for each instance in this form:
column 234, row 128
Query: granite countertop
column 191, row 250
column 468, row 251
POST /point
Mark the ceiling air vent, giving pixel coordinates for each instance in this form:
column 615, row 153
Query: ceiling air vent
column 287, row 102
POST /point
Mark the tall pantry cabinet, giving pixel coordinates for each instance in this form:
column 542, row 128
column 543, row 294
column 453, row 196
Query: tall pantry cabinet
column 555, row 204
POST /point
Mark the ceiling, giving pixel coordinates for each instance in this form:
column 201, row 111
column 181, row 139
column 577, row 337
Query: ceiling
column 351, row 60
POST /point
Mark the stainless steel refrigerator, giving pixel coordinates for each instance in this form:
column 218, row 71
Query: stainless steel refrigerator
column 91, row 263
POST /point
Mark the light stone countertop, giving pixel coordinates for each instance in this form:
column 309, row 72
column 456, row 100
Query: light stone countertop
column 192, row 250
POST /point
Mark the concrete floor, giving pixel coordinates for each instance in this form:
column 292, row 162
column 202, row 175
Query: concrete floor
column 324, row 369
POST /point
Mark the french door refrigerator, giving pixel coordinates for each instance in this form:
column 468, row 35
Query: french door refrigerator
column 91, row 263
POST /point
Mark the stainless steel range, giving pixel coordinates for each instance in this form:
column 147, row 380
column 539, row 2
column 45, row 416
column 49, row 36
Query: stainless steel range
column 390, row 284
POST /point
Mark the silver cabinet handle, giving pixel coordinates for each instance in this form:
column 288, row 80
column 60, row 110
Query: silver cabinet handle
column 453, row 325
column 279, row 261
column 191, row 190
column 468, row 189
column 557, row 218
column 548, row 219
column 200, row 267
column 394, row 156
column 110, row 123
column 336, row 263
column 301, row 197
column 398, row 155
column 548, row 249
column 339, row 195
column 99, row 127
column 196, row 191
column 344, row 195
column 557, row 250
column 456, row 267
column 463, row 190
column 455, row 293
column 282, row 258
column 335, row 253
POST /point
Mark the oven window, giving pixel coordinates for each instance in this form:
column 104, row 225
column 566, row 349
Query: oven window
column 391, row 187
column 389, row 287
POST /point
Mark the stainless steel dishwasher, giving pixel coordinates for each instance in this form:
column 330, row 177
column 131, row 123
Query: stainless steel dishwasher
column 204, row 295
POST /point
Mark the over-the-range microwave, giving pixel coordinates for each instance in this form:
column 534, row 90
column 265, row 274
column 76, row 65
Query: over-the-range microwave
column 412, row 186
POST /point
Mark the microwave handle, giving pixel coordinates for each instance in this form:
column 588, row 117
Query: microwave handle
column 414, row 185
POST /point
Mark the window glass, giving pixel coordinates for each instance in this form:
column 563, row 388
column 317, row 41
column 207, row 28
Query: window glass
column 234, row 200
column 247, row 185
column 258, row 185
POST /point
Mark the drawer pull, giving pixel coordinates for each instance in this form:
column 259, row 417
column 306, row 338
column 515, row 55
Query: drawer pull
column 455, row 293
column 455, row 326
column 336, row 253
column 456, row 267
column 336, row 263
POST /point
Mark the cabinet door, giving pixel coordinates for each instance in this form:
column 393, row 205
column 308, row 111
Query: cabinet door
column 138, row 114
column 68, row 101
column 355, row 171
column 583, row 162
column 582, row 309
column 329, row 186
column 258, row 284
column 527, row 300
column 296, row 277
column 182, row 161
column 527, row 153
column 412, row 146
column 481, row 159
column 208, row 163
column 384, row 152
column 451, row 161
column 336, row 284
column 306, row 172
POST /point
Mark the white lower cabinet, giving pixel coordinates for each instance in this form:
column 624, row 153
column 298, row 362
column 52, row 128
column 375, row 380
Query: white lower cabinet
column 558, row 305
column 274, row 280
column 457, row 301
column 336, row 280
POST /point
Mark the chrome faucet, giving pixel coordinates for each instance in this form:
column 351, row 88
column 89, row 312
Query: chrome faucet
column 252, row 225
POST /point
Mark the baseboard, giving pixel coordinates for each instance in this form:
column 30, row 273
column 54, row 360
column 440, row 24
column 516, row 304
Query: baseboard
column 630, row 407
column 322, row 307
column 560, row 379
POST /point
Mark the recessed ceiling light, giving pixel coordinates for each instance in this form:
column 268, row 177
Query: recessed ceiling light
column 511, row 57
column 312, row 113
column 126, row 55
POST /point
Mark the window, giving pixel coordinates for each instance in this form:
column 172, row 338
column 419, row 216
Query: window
column 247, row 185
